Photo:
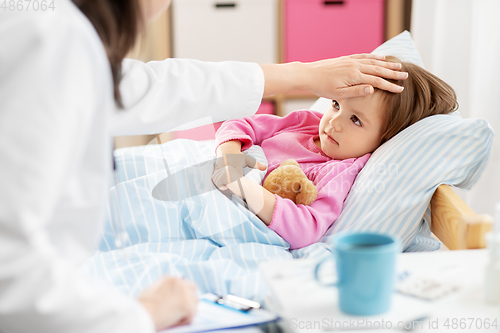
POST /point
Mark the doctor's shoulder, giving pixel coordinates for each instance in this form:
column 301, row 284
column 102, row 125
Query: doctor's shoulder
column 57, row 28
column 57, row 52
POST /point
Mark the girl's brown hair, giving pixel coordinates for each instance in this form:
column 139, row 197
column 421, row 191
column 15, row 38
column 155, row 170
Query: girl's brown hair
column 424, row 95
column 118, row 23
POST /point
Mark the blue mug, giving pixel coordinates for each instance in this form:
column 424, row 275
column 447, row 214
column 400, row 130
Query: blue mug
column 366, row 271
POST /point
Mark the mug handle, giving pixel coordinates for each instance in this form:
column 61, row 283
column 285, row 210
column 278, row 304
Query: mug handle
column 316, row 270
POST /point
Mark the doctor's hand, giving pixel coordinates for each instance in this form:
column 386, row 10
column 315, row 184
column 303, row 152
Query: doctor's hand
column 170, row 302
column 338, row 78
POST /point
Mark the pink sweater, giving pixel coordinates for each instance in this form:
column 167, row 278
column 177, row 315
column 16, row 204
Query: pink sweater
column 293, row 136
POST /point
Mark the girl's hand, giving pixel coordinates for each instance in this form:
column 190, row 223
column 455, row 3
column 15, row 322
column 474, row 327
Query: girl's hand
column 229, row 155
column 259, row 200
column 170, row 302
column 226, row 175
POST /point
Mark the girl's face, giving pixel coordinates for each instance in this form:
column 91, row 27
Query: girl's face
column 351, row 127
column 152, row 9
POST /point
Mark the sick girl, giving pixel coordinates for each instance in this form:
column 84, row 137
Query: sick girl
column 330, row 148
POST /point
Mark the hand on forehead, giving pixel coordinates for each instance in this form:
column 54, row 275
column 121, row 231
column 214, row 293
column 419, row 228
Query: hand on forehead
column 369, row 106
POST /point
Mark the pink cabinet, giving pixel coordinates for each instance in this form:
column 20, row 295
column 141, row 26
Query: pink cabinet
column 319, row 29
column 207, row 132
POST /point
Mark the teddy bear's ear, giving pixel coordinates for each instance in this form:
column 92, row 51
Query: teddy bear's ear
column 308, row 193
column 290, row 162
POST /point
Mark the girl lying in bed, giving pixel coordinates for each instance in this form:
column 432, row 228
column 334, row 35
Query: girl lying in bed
column 330, row 148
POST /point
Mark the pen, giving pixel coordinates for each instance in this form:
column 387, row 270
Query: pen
column 234, row 302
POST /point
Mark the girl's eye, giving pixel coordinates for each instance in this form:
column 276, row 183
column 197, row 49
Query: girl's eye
column 356, row 120
column 336, row 105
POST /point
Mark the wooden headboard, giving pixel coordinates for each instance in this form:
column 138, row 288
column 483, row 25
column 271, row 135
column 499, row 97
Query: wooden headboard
column 455, row 223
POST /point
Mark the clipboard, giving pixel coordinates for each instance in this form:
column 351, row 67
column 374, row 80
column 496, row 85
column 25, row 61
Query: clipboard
column 216, row 312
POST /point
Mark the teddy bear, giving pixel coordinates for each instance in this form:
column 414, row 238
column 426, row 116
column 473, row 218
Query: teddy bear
column 290, row 182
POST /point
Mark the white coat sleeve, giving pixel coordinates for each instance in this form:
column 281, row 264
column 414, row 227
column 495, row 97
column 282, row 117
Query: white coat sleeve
column 162, row 95
column 45, row 112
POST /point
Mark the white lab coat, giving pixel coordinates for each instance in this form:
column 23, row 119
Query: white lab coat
column 57, row 116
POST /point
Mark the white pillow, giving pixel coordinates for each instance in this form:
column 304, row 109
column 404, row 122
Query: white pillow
column 392, row 193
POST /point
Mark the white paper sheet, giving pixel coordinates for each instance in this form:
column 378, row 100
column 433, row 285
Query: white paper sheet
column 213, row 316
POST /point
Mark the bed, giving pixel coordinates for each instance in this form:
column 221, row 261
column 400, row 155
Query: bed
column 455, row 224
column 196, row 232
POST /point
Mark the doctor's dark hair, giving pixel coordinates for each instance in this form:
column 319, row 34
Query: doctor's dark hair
column 118, row 23
column 424, row 95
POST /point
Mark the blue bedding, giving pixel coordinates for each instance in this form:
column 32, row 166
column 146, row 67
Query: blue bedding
column 193, row 230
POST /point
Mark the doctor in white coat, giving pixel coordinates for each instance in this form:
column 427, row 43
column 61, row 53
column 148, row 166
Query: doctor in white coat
column 62, row 98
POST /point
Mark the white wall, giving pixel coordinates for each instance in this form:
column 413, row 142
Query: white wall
column 459, row 41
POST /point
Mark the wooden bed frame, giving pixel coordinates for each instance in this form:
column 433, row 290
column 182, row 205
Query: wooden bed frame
column 455, row 223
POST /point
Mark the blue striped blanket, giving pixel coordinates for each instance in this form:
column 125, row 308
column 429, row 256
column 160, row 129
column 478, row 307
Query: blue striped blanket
column 193, row 230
